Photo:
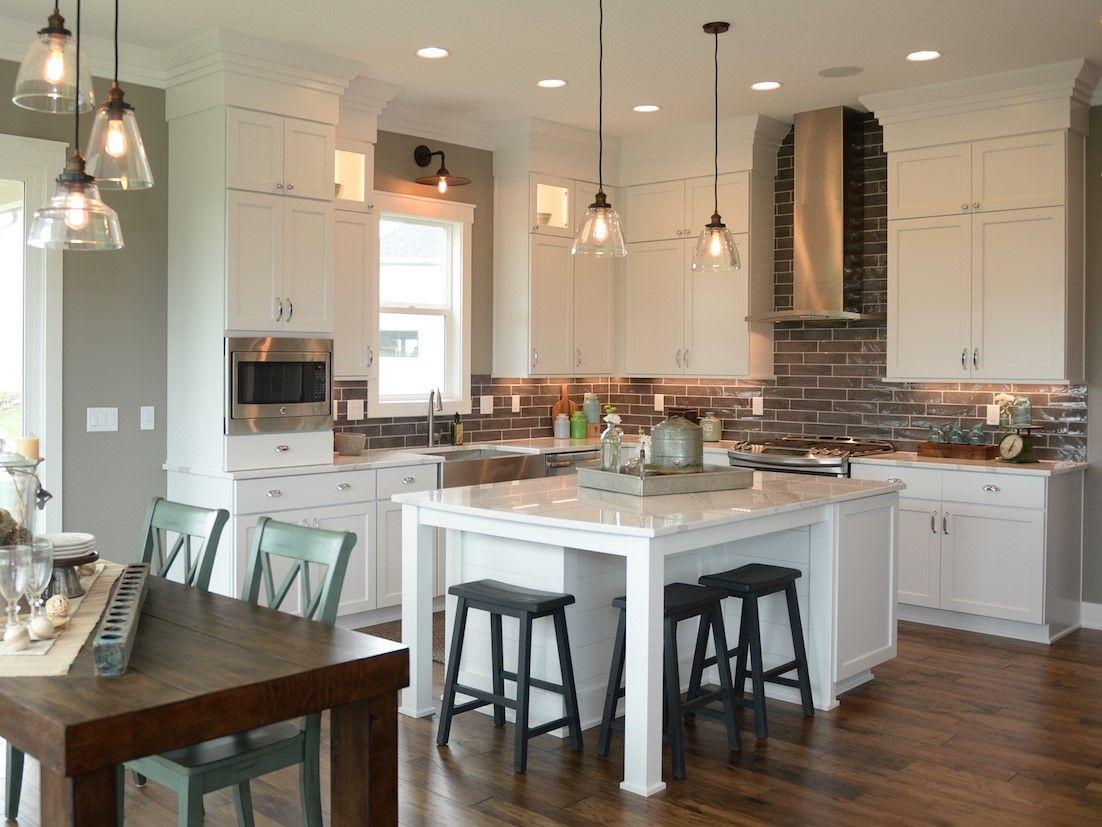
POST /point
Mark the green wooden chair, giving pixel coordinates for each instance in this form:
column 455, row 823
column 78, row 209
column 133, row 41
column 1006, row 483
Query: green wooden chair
column 233, row 761
column 199, row 530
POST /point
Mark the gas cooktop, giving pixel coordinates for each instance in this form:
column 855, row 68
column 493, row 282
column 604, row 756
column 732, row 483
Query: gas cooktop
column 804, row 454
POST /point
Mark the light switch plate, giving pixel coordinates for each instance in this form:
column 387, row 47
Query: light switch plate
column 355, row 409
column 757, row 405
column 993, row 412
column 516, row 403
column 103, row 419
column 147, row 418
column 485, row 405
column 659, row 402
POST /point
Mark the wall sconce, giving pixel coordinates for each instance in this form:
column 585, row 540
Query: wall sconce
column 441, row 179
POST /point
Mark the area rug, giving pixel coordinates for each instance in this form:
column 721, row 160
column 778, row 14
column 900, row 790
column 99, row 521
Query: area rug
column 393, row 631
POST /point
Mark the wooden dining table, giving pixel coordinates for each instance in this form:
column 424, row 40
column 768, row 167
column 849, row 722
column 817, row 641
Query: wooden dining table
column 204, row 666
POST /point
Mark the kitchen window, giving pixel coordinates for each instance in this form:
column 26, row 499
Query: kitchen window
column 422, row 300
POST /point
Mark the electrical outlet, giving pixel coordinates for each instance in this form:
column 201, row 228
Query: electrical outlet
column 147, row 418
column 757, row 405
column 516, row 403
column 993, row 412
column 354, row 409
column 485, row 405
column 659, row 402
column 103, row 419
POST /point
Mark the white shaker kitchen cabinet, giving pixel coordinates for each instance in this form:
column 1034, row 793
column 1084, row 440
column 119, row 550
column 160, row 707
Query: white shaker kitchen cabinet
column 919, row 580
column 308, row 159
column 1018, row 294
column 716, row 343
column 254, row 261
column 929, row 303
column 654, row 308
column 654, row 212
column 992, row 561
column 388, row 565
column 355, row 246
column 594, row 298
column 244, row 534
column 1019, row 171
column 254, row 151
column 307, row 266
column 358, row 594
column 734, row 202
column 551, row 306
column 934, row 180
column 551, row 207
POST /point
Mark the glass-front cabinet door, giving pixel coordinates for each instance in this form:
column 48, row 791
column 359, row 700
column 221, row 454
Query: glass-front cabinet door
column 551, row 211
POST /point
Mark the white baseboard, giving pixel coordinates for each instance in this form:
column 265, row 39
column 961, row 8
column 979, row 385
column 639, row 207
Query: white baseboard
column 1092, row 615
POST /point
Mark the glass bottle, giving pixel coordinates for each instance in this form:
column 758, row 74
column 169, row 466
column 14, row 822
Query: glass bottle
column 562, row 426
column 1023, row 412
column 592, row 408
column 712, row 426
column 611, row 441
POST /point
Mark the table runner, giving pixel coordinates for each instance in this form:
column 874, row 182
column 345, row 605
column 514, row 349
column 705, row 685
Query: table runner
column 67, row 645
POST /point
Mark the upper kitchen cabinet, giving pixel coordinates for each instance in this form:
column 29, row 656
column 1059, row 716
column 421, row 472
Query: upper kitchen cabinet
column 680, row 209
column 355, row 248
column 551, row 206
column 274, row 154
column 985, row 226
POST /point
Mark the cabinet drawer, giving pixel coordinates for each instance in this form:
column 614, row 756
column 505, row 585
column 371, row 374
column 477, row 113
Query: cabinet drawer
column 406, row 479
column 922, row 483
column 272, row 494
column 994, row 489
column 251, row 452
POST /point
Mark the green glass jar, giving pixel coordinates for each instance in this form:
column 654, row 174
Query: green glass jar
column 579, row 425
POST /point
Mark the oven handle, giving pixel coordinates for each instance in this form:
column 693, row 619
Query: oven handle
column 771, row 460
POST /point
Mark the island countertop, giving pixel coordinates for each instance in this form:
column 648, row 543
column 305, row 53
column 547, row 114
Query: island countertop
column 559, row 501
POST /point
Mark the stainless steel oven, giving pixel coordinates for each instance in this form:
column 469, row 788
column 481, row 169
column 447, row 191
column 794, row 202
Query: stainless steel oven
column 277, row 385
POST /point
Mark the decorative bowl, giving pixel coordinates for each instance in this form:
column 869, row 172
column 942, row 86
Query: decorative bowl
column 349, row 445
column 544, row 218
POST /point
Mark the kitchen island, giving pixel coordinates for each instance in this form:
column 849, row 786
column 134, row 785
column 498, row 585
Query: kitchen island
column 550, row 534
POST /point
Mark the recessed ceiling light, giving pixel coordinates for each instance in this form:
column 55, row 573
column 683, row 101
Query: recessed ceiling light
column 551, row 83
column 646, row 107
column 924, row 54
column 765, row 85
column 840, row 71
column 432, row 52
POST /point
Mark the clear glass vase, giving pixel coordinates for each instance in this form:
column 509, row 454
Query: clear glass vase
column 611, row 440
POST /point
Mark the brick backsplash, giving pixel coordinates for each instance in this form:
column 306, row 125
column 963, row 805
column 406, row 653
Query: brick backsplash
column 828, row 374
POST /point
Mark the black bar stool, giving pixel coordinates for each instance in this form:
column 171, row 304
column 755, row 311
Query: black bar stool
column 751, row 582
column 525, row 605
column 682, row 601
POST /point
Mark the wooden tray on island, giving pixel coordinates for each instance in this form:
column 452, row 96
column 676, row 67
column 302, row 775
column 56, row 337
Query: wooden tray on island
column 951, row 450
column 709, row 478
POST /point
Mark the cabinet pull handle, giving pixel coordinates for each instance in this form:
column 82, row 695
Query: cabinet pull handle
column 290, row 187
column 578, row 361
column 945, row 523
column 535, row 357
column 279, row 308
column 290, row 312
column 344, row 486
column 964, row 359
column 371, row 356
column 535, row 228
column 279, row 185
column 964, row 206
column 303, row 523
column 677, row 357
column 975, row 205
column 894, row 479
column 274, row 492
column 408, row 480
column 316, row 523
column 370, row 207
column 993, row 489
column 976, row 358
column 282, row 449
column 933, row 522
column 686, row 357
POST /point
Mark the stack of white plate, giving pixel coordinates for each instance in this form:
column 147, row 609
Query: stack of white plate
column 71, row 545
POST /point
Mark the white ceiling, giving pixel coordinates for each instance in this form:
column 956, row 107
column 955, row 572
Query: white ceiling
column 655, row 51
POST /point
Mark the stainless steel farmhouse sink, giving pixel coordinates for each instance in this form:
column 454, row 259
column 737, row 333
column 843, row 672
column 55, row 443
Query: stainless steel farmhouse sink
column 475, row 466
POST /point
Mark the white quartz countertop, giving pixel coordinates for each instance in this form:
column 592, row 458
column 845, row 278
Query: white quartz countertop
column 993, row 466
column 367, row 461
column 558, row 501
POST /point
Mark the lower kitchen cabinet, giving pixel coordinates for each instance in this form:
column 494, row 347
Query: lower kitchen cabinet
column 388, row 560
column 919, row 580
column 360, row 586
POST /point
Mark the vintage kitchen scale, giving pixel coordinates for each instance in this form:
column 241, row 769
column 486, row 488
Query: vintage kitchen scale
column 1017, row 446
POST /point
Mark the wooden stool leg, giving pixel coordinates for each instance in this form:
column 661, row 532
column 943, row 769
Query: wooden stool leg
column 524, row 674
column 723, row 664
column 612, row 694
column 566, row 671
column 498, row 666
column 676, row 726
column 13, row 782
column 753, row 620
column 798, row 649
column 447, row 708
column 699, row 654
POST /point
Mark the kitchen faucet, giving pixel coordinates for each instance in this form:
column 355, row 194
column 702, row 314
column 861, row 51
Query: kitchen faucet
column 436, row 403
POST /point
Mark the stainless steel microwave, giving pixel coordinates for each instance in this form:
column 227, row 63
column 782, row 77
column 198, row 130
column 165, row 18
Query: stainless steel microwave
column 277, row 385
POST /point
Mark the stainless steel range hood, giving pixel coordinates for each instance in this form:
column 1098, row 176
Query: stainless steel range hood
column 828, row 218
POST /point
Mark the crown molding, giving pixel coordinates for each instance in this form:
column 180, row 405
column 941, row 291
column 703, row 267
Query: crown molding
column 423, row 122
column 360, row 107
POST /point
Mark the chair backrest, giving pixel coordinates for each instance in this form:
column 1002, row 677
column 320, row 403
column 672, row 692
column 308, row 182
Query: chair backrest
column 302, row 547
column 198, row 530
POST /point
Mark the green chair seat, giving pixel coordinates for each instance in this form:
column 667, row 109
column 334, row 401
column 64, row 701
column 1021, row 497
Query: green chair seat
column 212, row 755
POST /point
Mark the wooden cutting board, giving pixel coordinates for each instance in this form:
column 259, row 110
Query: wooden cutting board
column 564, row 405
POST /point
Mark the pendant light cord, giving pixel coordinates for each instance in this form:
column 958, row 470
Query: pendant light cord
column 116, row 42
column 600, row 94
column 715, row 185
column 76, row 109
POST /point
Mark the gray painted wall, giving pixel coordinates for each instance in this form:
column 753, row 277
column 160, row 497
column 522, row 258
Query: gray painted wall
column 1092, row 541
column 114, row 336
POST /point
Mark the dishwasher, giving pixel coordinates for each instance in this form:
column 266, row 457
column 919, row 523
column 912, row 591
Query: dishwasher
column 559, row 465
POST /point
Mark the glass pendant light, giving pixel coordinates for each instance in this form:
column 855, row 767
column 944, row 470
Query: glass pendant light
column 715, row 248
column 53, row 76
column 75, row 218
column 599, row 232
column 116, row 155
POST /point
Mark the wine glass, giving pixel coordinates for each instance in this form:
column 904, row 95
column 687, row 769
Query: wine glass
column 15, row 568
column 42, row 570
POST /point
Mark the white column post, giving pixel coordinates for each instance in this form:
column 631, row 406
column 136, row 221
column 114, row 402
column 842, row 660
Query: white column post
column 418, row 553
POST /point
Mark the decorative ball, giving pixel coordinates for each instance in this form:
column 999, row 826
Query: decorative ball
column 42, row 628
column 57, row 606
column 16, row 639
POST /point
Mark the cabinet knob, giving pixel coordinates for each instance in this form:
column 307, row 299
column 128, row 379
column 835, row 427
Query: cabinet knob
column 290, row 187
column 894, row 479
column 344, row 486
column 408, row 480
column 279, row 185
column 535, row 227
column 282, row 449
column 370, row 207
column 975, row 205
column 993, row 489
column 964, row 206
column 274, row 492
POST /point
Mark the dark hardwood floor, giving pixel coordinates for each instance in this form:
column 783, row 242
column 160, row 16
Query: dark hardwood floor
column 959, row 729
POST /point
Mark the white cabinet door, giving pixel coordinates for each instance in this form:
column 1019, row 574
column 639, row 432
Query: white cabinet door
column 928, row 181
column 307, row 266
column 1019, row 172
column 594, row 302
column 992, row 561
column 929, row 277
column 308, row 159
column 551, row 306
column 388, row 554
column 717, row 337
column 244, row 534
column 355, row 245
column 654, row 313
column 654, row 211
column 551, row 208
column 254, row 144
column 254, row 261
column 358, row 591
column 1018, row 294
column 919, row 553
column 734, row 202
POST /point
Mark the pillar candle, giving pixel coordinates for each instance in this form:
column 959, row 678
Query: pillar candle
column 28, row 447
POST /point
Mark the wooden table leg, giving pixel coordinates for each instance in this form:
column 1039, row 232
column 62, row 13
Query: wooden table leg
column 87, row 800
column 364, row 762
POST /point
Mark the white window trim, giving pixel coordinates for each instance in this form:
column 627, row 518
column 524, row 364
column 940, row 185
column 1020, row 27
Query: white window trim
column 36, row 163
column 436, row 209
